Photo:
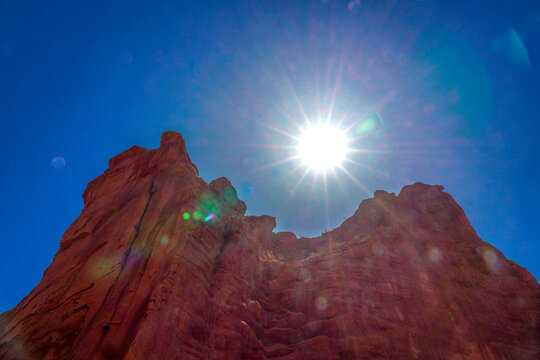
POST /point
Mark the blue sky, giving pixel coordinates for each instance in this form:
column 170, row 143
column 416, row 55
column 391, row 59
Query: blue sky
column 450, row 93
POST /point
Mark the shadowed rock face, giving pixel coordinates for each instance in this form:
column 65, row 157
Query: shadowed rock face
column 406, row 277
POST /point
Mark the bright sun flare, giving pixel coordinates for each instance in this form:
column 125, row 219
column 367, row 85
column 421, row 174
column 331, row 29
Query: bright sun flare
column 322, row 147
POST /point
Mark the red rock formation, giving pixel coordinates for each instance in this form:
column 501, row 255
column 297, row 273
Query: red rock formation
column 406, row 277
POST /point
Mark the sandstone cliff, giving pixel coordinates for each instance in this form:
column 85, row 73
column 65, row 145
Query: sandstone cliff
column 161, row 265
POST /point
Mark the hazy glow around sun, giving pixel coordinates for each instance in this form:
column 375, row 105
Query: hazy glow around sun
column 322, row 146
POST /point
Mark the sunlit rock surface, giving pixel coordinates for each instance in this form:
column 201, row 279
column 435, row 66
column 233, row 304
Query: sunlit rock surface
column 161, row 265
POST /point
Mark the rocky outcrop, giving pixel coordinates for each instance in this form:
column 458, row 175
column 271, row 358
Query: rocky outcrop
column 161, row 265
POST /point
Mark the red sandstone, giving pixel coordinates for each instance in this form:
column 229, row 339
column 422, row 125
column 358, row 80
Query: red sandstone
column 406, row 277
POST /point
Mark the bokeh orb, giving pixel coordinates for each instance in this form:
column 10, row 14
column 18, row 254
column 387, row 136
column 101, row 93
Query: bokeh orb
column 58, row 162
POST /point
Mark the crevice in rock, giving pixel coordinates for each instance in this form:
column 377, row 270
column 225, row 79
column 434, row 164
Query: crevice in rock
column 124, row 261
column 137, row 229
column 227, row 236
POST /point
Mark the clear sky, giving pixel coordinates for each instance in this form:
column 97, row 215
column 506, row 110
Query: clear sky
column 443, row 92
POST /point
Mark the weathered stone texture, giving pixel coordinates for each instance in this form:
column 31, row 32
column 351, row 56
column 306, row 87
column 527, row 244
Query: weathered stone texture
column 406, row 277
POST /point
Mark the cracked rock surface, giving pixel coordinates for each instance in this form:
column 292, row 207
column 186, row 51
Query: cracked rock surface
column 405, row 277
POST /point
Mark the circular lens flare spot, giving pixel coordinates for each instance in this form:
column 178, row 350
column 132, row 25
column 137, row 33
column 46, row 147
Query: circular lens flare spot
column 164, row 240
column 321, row 147
column 321, row 303
column 58, row 162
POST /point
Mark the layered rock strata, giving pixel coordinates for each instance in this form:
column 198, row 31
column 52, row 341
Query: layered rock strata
column 162, row 265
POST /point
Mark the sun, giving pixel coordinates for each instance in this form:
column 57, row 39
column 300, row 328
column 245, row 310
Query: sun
column 322, row 146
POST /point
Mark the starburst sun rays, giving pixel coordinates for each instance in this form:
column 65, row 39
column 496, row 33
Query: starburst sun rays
column 322, row 148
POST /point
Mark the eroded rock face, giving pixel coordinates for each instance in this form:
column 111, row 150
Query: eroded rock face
column 161, row 265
